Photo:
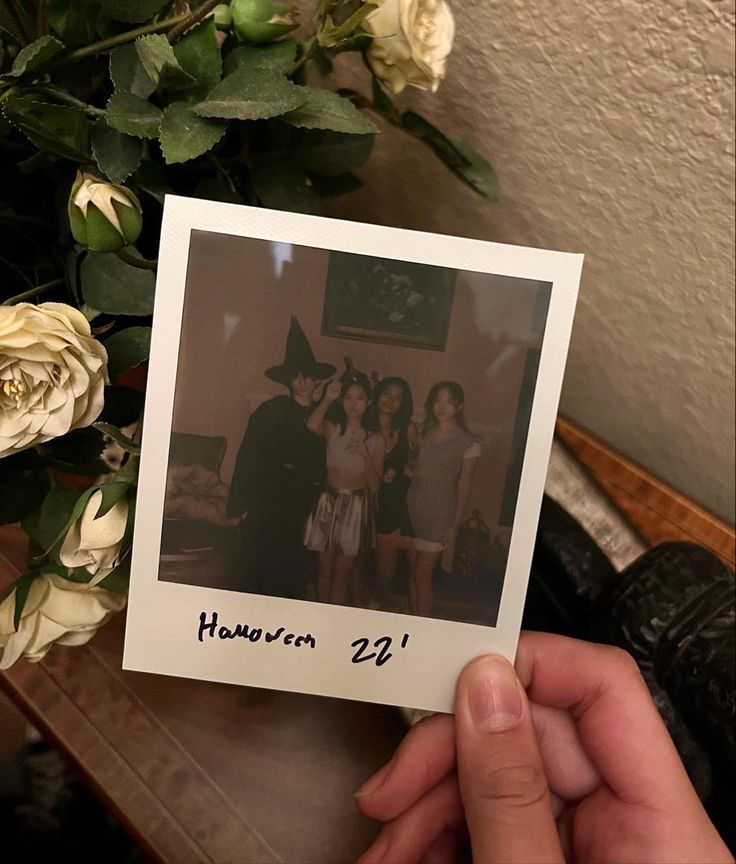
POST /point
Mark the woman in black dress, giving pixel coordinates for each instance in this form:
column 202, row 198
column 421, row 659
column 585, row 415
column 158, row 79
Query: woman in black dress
column 392, row 408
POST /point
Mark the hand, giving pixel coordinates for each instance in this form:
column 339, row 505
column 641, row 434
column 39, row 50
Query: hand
column 448, row 553
column 581, row 769
column 332, row 391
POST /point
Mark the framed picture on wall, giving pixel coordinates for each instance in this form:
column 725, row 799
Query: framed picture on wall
column 347, row 430
column 387, row 301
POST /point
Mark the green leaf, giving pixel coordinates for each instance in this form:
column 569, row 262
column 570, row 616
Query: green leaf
column 276, row 57
column 199, row 55
column 82, row 77
column 112, row 492
column 35, row 55
column 123, row 406
column 383, row 101
column 479, row 174
column 33, row 163
column 324, row 109
column 78, row 574
column 128, row 74
column 251, row 95
column 79, row 27
column 133, row 115
column 185, row 135
column 71, row 271
column 459, row 157
column 75, row 448
column 131, row 11
column 332, row 35
column 219, row 187
column 152, row 179
column 75, row 513
column 331, row 153
column 45, row 525
column 127, row 349
column 118, row 579
column 57, row 129
column 159, row 61
column 331, row 187
column 22, row 587
column 117, row 155
column 21, row 494
column 118, row 437
column 322, row 61
column 282, row 186
column 112, row 286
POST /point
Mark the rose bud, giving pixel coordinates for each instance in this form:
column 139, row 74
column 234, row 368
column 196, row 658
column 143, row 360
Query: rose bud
column 258, row 21
column 103, row 217
column 223, row 16
column 56, row 610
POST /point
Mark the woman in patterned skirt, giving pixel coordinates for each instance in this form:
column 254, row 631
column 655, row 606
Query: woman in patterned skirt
column 439, row 490
column 342, row 525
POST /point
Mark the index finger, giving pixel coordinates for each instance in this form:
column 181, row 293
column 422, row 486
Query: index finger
column 616, row 719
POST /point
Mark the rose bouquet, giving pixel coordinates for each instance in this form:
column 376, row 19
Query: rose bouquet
column 105, row 107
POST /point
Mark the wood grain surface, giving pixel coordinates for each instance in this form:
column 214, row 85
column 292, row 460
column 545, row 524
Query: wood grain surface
column 657, row 511
column 204, row 772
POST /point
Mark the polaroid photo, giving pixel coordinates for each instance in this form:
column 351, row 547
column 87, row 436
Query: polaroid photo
column 346, row 436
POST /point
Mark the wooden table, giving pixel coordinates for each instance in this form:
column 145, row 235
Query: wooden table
column 204, row 772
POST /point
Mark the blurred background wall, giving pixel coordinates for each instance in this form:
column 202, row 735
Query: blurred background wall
column 610, row 123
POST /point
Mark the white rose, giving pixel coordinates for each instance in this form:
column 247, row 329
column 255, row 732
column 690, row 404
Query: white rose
column 52, row 374
column 56, row 610
column 94, row 542
column 411, row 42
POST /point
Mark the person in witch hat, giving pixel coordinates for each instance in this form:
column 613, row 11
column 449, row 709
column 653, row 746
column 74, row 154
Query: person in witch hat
column 278, row 475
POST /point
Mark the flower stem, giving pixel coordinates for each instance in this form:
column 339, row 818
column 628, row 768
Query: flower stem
column 135, row 261
column 309, row 48
column 68, row 99
column 121, row 38
column 32, row 292
column 190, row 20
column 17, row 22
column 42, row 24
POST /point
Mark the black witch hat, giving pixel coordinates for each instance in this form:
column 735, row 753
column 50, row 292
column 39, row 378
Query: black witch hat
column 298, row 359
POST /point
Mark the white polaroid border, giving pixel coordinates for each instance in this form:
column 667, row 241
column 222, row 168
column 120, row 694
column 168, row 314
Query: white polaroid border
column 163, row 623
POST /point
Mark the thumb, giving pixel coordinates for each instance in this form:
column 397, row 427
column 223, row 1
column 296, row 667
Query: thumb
column 502, row 781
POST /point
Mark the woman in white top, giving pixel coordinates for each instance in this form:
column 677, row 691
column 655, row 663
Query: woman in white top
column 342, row 524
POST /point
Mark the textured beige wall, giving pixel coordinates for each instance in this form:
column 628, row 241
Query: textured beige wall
column 610, row 123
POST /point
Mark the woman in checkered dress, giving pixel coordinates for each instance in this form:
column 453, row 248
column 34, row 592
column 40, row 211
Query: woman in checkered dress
column 439, row 490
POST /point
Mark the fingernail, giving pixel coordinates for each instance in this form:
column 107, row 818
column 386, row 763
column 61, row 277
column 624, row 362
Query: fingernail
column 494, row 695
column 376, row 854
column 373, row 782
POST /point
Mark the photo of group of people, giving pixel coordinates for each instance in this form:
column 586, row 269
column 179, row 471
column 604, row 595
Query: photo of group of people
column 348, row 430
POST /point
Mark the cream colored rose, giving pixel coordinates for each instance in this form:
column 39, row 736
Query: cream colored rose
column 94, row 542
column 52, row 374
column 56, row 610
column 411, row 42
